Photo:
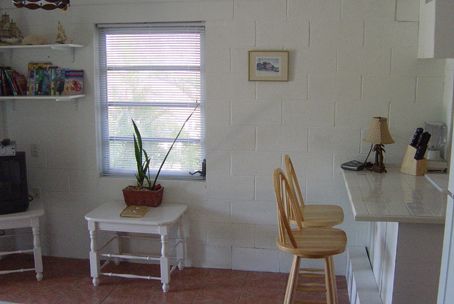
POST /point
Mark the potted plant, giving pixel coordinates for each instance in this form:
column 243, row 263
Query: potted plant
column 146, row 192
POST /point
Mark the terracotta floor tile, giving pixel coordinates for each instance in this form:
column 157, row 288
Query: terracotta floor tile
column 220, row 292
column 68, row 281
column 261, row 300
column 122, row 295
column 216, row 299
column 226, row 278
column 173, row 297
column 263, row 292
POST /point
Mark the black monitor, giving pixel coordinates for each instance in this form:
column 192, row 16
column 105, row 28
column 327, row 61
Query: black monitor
column 13, row 184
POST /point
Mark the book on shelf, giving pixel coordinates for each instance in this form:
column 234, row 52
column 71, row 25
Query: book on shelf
column 12, row 83
column 9, row 80
column 21, row 82
column 48, row 79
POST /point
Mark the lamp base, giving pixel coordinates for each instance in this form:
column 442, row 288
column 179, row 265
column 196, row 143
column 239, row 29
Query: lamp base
column 377, row 168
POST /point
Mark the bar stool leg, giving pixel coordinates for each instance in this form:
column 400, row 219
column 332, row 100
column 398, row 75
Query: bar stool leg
column 37, row 250
column 333, row 279
column 330, row 291
column 292, row 280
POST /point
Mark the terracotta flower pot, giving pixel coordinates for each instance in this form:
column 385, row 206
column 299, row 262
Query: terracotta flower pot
column 143, row 196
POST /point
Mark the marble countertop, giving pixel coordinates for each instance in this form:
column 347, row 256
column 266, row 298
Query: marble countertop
column 394, row 197
column 439, row 180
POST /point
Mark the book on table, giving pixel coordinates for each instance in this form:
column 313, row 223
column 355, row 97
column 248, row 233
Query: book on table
column 134, row 211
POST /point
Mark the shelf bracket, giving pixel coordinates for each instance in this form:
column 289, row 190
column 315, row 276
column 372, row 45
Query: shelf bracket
column 72, row 50
column 73, row 55
column 7, row 54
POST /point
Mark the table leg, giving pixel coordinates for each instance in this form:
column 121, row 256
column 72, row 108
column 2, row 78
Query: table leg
column 94, row 258
column 164, row 264
column 181, row 248
column 118, row 249
column 37, row 250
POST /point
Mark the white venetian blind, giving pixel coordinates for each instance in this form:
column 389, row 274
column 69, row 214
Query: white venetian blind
column 153, row 74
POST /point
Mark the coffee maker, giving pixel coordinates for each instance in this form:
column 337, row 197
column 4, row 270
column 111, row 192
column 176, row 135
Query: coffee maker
column 436, row 153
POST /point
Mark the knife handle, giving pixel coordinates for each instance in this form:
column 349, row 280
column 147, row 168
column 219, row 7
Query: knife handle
column 416, row 136
column 424, row 139
column 422, row 146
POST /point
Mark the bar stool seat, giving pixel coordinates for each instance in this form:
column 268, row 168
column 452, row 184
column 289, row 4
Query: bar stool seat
column 315, row 215
column 322, row 215
column 315, row 243
column 26, row 219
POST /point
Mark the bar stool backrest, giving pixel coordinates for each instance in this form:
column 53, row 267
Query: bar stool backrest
column 286, row 204
column 293, row 180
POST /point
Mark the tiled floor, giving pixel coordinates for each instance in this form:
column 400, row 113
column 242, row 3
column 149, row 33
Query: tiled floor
column 67, row 281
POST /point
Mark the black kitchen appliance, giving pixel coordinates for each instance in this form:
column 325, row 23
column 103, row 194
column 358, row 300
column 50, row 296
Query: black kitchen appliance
column 13, row 184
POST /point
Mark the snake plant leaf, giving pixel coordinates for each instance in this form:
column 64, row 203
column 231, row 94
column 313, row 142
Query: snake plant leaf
column 137, row 153
column 146, row 168
column 171, row 146
column 137, row 133
column 137, row 143
column 138, row 150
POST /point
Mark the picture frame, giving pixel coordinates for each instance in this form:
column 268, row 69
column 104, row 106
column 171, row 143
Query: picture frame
column 268, row 65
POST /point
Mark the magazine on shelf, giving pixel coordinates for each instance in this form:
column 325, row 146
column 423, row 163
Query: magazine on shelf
column 38, row 78
column 74, row 82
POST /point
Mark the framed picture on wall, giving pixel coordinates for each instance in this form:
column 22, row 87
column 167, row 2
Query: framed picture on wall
column 268, row 65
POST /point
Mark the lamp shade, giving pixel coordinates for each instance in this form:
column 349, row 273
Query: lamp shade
column 378, row 132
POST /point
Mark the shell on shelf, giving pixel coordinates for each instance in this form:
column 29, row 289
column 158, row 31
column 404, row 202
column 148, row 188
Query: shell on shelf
column 35, row 40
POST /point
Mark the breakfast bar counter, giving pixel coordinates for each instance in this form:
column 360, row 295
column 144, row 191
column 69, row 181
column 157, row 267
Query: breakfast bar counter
column 406, row 215
column 394, row 197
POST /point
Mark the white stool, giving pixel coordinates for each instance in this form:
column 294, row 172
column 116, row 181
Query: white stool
column 29, row 218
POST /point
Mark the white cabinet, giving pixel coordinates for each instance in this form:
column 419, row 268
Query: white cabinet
column 436, row 25
column 445, row 293
column 406, row 261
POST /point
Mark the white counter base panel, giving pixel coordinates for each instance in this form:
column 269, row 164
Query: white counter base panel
column 360, row 278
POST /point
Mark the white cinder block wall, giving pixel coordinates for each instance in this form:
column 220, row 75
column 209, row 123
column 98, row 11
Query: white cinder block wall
column 349, row 60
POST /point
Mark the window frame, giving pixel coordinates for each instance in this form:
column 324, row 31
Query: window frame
column 102, row 88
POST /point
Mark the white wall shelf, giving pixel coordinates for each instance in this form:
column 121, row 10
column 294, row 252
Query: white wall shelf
column 55, row 46
column 56, row 98
column 58, row 47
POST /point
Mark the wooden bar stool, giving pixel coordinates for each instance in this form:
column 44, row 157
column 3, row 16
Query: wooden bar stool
column 313, row 215
column 301, row 242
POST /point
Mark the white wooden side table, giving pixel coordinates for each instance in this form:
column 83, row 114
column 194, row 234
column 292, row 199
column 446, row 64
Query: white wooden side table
column 26, row 219
column 158, row 221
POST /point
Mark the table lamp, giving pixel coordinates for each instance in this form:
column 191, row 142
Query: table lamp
column 378, row 135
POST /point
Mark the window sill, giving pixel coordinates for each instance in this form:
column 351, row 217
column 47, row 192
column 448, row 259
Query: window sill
column 161, row 177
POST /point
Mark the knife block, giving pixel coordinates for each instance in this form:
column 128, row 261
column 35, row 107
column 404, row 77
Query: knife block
column 412, row 166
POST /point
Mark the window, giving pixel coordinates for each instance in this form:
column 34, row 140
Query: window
column 153, row 74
